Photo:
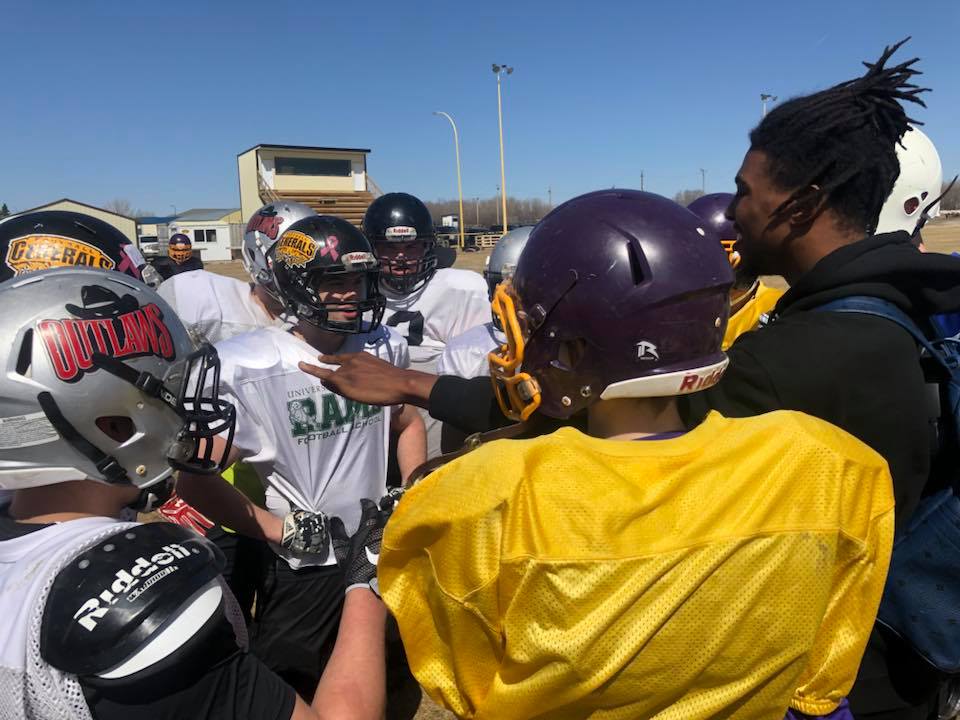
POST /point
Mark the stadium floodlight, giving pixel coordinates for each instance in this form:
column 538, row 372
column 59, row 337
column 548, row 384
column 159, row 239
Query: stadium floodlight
column 498, row 70
column 764, row 97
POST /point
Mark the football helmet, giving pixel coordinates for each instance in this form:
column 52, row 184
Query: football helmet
column 915, row 197
column 264, row 227
column 180, row 248
column 503, row 260
column 398, row 218
column 616, row 295
column 61, row 238
column 318, row 250
column 712, row 210
column 101, row 381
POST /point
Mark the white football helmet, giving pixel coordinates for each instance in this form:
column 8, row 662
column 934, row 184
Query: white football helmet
column 101, row 381
column 265, row 226
column 919, row 184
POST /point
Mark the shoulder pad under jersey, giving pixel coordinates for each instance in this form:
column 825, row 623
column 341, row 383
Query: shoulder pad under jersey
column 108, row 604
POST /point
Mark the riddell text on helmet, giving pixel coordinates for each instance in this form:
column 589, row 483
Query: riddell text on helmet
column 692, row 382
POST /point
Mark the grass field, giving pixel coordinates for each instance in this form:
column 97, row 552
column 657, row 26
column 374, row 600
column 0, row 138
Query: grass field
column 943, row 236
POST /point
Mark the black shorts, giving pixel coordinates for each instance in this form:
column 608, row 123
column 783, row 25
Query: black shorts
column 246, row 565
column 296, row 621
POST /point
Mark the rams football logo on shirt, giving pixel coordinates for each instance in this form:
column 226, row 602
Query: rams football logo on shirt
column 296, row 248
column 40, row 252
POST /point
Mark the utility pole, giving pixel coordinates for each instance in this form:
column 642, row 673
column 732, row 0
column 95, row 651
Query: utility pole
column 703, row 181
column 477, row 200
column 764, row 97
column 550, row 196
column 641, row 180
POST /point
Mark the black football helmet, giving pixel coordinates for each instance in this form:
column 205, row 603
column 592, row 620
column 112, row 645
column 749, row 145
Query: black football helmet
column 401, row 218
column 318, row 250
column 59, row 238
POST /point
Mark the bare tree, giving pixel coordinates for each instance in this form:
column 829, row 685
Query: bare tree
column 951, row 201
column 122, row 206
column 685, row 197
column 485, row 212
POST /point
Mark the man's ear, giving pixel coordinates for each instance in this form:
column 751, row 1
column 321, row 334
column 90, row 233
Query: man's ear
column 806, row 207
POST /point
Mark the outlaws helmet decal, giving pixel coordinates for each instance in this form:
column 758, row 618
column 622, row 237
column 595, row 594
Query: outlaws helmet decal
column 115, row 326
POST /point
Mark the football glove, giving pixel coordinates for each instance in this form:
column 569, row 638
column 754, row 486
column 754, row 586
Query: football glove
column 358, row 554
column 306, row 532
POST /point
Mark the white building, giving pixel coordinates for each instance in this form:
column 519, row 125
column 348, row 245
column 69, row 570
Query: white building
column 214, row 231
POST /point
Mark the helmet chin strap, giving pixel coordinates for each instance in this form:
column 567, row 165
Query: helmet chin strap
column 105, row 464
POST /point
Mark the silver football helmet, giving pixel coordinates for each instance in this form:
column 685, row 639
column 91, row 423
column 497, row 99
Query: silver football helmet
column 101, row 381
column 265, row 226
column 503, row 259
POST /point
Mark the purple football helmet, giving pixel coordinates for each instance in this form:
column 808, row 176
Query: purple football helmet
column 616, row 295
column 712, row 210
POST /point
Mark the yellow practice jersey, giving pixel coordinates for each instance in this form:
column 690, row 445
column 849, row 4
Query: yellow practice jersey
column 726, row 573
column 748, row 317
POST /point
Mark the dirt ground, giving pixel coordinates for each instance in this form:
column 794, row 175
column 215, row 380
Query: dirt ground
column 943, row 236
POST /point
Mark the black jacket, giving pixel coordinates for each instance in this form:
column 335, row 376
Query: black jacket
column 858, row 372
column 862, row 374
column 168, row 268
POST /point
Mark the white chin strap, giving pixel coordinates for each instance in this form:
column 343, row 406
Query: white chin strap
column 681, row 382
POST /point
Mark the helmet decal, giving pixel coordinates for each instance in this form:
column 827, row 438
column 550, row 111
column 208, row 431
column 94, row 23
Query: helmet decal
column 267, row 221
column 38, row 252
column 296, row 248
column 117, row 327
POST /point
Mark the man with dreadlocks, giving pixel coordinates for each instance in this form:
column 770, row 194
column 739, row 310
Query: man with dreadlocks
column 809, row 193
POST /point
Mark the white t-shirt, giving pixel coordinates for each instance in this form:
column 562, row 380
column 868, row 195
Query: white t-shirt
column 312, row 449
column 466, row 355
column 215, row 306
column 428, row 318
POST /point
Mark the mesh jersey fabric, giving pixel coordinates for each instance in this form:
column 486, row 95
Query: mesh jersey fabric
column 748, row 317
column 29, row 686
column 729, row 572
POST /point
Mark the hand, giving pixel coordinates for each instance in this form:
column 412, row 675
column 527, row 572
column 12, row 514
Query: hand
column 306, row 532
column 177, row 511
column 357, row 555
column 368, row 379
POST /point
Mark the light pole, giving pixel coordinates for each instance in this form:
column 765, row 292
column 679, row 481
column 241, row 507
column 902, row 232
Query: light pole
column 703, row 181
column 764, row 97
column 174, row 210
column 477, row 201
column 498, row 70
column 498, row 207
column 456, row 145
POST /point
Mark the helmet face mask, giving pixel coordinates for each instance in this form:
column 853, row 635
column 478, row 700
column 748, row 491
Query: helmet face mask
column 179, row 248
column 116, row 387
column 616, row 295
column 401, row 229
column 326, row 274
column 712, row 210
column 263, row 229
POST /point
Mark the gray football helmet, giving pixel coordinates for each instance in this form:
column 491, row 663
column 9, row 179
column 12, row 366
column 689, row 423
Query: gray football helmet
column 503, row 259
column 265, row 226
column 101, row 381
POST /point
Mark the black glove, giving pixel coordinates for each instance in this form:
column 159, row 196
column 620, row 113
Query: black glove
column 306, row 532
column 357, row 555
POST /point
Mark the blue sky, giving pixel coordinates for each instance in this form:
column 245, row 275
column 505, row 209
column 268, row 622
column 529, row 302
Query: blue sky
column 151, row 102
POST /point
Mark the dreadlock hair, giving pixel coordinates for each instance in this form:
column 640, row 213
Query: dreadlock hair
column 839, row 144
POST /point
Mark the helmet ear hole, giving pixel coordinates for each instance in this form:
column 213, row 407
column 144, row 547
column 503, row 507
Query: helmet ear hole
column 910, row 205
column 116, row 427
column 25, row 356
column 570, row 353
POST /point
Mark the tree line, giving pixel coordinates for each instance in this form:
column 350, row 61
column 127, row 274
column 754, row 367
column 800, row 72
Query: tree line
column 485, row 212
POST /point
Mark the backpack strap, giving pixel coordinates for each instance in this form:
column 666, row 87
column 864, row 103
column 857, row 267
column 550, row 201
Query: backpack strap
column 866, row 305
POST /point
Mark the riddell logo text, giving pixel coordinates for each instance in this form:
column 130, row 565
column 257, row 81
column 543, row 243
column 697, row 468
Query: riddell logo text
column 696, row 381
column 132, row 583
column 72, row 343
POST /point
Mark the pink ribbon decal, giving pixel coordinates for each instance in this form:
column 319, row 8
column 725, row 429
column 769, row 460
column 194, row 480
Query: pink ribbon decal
column 331, row 248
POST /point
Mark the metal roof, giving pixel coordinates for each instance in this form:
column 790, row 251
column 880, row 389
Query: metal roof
column 205, row 214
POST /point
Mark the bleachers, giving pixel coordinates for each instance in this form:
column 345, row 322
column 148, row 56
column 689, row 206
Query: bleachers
column 348, row 205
